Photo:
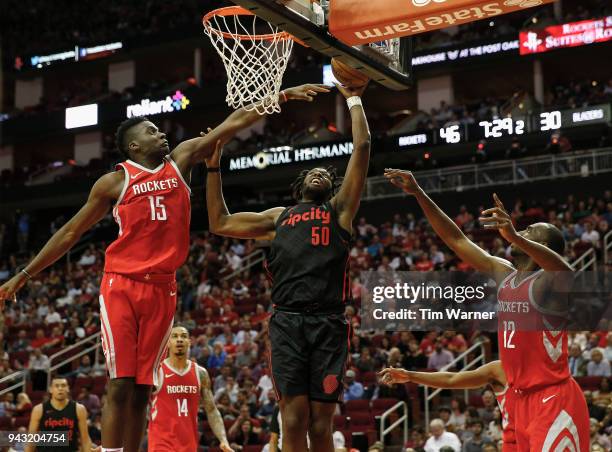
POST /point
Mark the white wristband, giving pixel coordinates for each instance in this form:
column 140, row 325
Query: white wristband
column 352, row 101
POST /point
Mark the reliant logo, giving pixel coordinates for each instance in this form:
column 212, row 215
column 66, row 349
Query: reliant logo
column 146, row 107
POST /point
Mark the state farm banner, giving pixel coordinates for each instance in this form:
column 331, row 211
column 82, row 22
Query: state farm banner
column 573, row 34
column 363, row 21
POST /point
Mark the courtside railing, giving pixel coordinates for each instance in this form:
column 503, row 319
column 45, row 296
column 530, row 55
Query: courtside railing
column 479, row 360
column 248, row 262
column 67, row 355
column 607, row 248
column 400, row 421
column 507, row 172
column 19, row 379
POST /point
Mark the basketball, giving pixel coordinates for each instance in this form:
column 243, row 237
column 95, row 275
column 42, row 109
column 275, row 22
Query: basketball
column 347, row 75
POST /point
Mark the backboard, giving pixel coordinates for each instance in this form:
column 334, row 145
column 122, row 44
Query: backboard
column 387, row 62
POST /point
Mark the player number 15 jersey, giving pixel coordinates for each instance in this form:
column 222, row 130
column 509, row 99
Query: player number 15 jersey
column 153, row 213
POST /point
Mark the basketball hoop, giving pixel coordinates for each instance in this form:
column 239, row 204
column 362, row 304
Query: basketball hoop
column 255, row 55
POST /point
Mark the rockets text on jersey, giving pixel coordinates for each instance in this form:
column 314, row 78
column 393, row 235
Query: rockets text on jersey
column 531, row 355
column 153, row 213
column 173, row 417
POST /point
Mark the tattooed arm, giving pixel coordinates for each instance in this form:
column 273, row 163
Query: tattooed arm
column 212, row 413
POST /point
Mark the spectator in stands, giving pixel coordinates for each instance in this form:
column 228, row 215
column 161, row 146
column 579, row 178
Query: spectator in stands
column 99, row 367
column 440, row 438
column 596, row 437
column 39, row 367
column 88, row 257
column 608, row 349
column 89, row 401
column 375, row 248
column 243, row 416
column 353, row 390
column 245, row 331
column 577, row 363
column 233, row 260
column 220, row 380
column 464, row 219
column 84, row 369
column 225, row 407
column 596, row 411
column 245, row 437
column 454, row 342
column 457, row 417
column 444, row 413
column 365, row 230
column 246, row 353
column 23, row 407
column 487, row 412
column 365, row 362
column 218, row 357
column 22, row 343
column 53, row 316
column 267, row 408
column 230, row 389
column 603, row 396
column 188, row 322
column 590, row 235
column 414, row 359
column 478, row 439
column 597, row 366
column 440, row 357
column 495, row 428
column 424, row 263
column 229, row 318
column 239, row 290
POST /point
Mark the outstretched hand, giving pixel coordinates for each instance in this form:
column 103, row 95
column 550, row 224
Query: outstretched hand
column 499, row 219
column 9, row 289
column 402, row 179
column 391, row 376
column 305, row 92
column 347, row 91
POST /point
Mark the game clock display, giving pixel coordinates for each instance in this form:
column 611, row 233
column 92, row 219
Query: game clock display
column 510, row 126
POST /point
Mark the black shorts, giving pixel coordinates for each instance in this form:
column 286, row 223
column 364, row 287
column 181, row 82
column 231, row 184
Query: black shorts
column 309, row 354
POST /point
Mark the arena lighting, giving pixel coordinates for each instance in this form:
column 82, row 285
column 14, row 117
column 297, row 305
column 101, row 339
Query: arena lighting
column 146, row 107
column 573, row 34
column 82, row 116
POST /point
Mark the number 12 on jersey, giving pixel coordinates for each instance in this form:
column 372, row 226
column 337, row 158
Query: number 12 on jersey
column 183, row 410
column 509, row 329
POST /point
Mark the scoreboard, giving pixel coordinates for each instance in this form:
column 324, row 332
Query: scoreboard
column 510, row 126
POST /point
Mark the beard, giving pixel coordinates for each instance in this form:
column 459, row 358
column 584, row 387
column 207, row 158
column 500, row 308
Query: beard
column 317, row 194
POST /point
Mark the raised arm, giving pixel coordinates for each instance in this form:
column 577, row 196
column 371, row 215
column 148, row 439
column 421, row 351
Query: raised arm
column 83, row 430
column 446, row 228
column 103, row 193
column 346, row 202
column 491, row 373
column 243, row 225
column 191, row 152
column 35, row 418
column 498, row 218
column 212, row 413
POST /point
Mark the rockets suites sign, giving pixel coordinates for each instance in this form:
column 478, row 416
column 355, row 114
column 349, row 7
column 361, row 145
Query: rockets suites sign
column 363, row 21
column 567, row 35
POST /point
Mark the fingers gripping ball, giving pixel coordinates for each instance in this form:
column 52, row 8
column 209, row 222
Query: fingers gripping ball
column 348, row 76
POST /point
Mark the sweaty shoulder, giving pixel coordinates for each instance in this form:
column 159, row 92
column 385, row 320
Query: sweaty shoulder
column 110, row 185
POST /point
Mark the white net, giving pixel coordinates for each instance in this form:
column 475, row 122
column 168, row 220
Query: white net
column 255, row 54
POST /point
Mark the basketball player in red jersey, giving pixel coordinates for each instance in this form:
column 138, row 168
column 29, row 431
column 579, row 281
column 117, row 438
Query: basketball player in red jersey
column 150, row 199
column 173, row 417
column 307, row 261
column 491, row 374
column 550, row 409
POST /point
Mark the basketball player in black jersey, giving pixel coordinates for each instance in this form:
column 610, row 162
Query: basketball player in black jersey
column 308, row 263
column 60, row 414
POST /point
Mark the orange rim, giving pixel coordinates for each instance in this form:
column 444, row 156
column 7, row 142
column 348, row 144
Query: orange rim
column 240, row 11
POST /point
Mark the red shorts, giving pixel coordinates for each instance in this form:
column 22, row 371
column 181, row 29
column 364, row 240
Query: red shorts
column 136, row 317
column 553, row 418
